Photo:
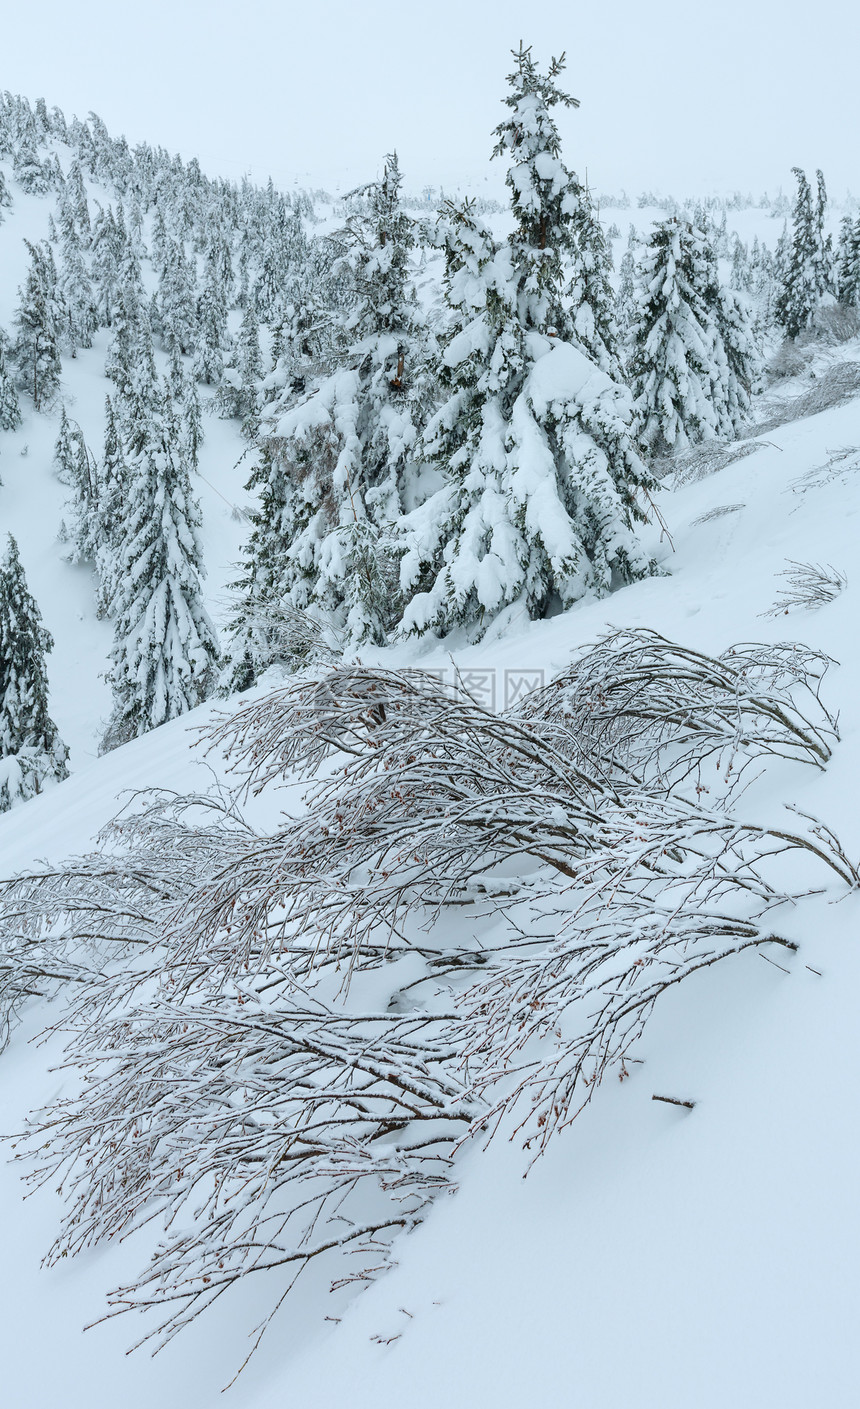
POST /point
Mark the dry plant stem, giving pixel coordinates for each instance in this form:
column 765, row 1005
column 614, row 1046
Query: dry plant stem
column 811, row 586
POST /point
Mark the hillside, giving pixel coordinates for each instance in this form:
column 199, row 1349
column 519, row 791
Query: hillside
column 655, row 1254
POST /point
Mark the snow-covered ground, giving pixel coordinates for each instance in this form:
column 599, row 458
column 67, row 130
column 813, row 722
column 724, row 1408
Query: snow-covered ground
column 654, row 1256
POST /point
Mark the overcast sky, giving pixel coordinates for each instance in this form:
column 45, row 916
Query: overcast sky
column 675, row 95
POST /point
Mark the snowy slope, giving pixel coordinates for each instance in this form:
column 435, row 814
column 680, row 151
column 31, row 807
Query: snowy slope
column 654, row 1256
column 659, row 1257
column 32, row 499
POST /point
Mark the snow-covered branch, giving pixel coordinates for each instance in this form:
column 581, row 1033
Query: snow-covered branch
column 299, row 1034
column 262, row 1135
column 663, row 708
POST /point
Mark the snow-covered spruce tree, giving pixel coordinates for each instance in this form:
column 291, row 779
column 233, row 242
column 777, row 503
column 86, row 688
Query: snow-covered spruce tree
column 212, row 340
column 112, row 504
column 31, row 172
column 106, row 249
column 80, row 320
column 762, row 283
column 782, row 254
column 800, row 290
column 308, row 329
column 10, row 410
column 542, row 479
column 219, row 258
column 823, row 257
column 741, row 278
column 565, row 260
column 738, row 332
column 334, row 472
column 626, row 305
column 74, row 208
column 240, row 393
column 590, row 293
column 736, row 354
column 77, row 469
column 186, row 402
column 160, row 238
column 165, row 647
column 64, row 450
column 289, row 481
column 31, row 751
column 130, row 365
column 684, row 379
column 135, row 225
column 243, row 275
column 176, row 300
column 36, row 348
column 848, row 263
column 271, row 273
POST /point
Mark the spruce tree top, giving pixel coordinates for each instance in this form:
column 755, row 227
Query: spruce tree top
column 672, row 360
column 536, row 176
column 545, row 196
column 375, row 245
column 801, row 282
column 558, row 251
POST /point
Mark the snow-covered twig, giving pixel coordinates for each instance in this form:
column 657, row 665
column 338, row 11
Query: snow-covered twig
column 810, row 586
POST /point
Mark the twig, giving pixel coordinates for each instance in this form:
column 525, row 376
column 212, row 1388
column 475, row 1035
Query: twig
column 775, row 964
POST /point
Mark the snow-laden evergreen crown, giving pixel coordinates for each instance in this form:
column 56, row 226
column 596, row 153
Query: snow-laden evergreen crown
column 334, row 467
column 848, row 263
column 561, row 252
column 165, row 648
column 10, row 410
column 694, row 357
column 803, row 278
column 31, row 750
column 534, row 437
column 36, row 350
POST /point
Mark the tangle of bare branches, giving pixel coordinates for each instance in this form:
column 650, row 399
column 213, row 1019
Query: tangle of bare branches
column 282, row 1038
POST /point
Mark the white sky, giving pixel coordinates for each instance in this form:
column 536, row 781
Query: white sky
column 675, row 95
